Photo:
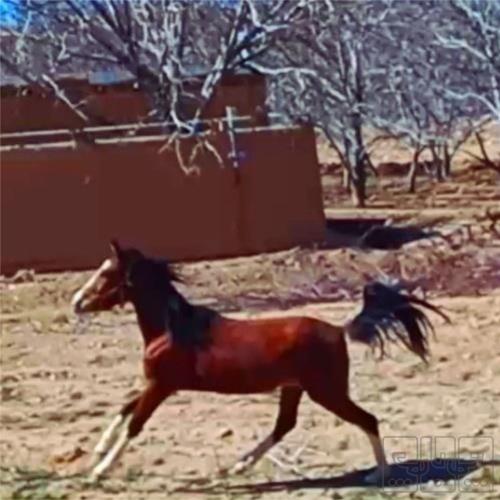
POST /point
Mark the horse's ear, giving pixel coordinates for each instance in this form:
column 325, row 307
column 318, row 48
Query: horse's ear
column 116, row 249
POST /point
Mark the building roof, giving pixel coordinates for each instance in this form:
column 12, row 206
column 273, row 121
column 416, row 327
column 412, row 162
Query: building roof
column 105, row 77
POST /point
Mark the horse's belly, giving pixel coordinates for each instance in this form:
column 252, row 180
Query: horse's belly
column 239, row 385
column 233, row 374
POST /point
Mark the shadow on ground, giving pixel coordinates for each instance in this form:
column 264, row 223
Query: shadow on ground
column 435, row 475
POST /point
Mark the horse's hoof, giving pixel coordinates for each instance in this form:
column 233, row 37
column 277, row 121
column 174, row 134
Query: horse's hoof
column 95, row 475
column 377, row 477
column 92, row 479
column 240, row 467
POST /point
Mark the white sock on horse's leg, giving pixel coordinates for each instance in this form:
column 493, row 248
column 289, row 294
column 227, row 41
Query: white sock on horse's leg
column 378, row 450
column 114, row 454
column 382, row 465
column 109, row 436
column 253, row 456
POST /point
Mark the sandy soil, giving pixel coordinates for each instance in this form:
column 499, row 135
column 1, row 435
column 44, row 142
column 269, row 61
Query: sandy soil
column 60, row 389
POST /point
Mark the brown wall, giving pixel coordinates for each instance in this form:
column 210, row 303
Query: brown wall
column 114, row 104
column 60, row 207
column 245, row 93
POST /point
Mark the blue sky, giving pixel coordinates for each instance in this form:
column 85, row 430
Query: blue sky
column 9, row 13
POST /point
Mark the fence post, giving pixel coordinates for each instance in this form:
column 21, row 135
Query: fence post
column 240, row 191
column 233, row 155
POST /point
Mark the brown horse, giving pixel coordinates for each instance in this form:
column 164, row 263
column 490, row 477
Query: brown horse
column 189, row 347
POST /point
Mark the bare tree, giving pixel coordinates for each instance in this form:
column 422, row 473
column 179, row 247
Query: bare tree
column 484, row 157
column 472, row 36
column 176, row 50
column 472, row 39
column 426, row 72
column 427, row 99
column 338, row 53
column 417, row 110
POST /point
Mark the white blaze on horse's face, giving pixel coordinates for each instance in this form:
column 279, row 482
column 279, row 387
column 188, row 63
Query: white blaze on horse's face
column 90, row 287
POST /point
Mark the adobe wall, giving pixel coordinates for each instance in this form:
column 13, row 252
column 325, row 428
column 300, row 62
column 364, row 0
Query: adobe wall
column 60, row 206
column 115, row 104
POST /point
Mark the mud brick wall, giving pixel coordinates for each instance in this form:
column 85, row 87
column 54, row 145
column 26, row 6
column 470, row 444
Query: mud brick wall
column 27, row 108
column 61, row 205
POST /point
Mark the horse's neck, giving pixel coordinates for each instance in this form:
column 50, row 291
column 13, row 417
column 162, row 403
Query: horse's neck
column 169, row 313
column 156, row 313
column 148, row 332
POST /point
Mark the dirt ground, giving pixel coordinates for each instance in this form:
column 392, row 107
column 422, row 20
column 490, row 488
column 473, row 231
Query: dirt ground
column 60, row 388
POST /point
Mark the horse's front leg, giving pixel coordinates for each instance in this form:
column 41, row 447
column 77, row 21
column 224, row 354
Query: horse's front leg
column 110, row 435
column 132, row 424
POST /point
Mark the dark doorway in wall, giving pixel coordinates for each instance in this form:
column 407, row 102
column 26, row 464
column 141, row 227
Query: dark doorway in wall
column 373, row 233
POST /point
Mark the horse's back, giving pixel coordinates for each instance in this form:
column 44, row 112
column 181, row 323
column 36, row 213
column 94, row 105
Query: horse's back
column 259, row 355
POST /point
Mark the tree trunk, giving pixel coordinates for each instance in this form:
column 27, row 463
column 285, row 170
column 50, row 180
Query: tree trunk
column 446, row 161
column 358, row 174
column 412, row 175
column 358, row 192
column 437, row 163
column 346, row 178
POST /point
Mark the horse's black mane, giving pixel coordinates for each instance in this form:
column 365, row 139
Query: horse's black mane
column 161, row 307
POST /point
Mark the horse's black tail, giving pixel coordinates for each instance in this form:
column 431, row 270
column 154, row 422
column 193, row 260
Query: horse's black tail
column 390, row 315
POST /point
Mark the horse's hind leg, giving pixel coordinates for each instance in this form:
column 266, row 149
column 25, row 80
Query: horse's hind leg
column 133, row 423
column 110, row 435
column 287, row 418
column 341, row 405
